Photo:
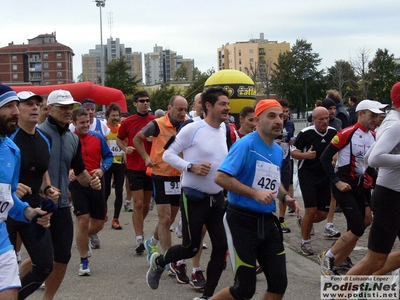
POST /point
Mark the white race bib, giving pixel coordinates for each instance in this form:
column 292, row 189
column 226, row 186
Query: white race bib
column 286, row 148
column 267, row 177
column 116, row 151
column 6, row 200
column 172, row 187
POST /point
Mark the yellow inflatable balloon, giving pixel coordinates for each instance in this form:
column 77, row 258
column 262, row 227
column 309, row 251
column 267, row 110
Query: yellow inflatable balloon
column 241, row 88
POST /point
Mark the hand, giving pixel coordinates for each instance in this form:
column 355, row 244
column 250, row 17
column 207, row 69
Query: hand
column 292, row 203
column 343, row 186
column 311, row 154
column 129, row 149
column 44, row 220
column 97, row 172
column 201, row 169
column 264, row 197
column 95, row 183
column 22, row 190
column 149, row 162
column 53, row 194
column 72, row 176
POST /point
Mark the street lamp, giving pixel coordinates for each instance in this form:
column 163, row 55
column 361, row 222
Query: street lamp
column 305, row 76
column 100, row 4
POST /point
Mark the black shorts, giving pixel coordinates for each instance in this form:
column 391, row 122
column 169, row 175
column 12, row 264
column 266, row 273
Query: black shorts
column 138, row 180
column 353, row 206
column 385, row 228
column 62, row 233
column 167, row 190
column 286, row 174
column 88, row 201
column 315, row 194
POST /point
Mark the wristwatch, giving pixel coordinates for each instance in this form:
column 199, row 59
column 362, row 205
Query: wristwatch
column 189, row 167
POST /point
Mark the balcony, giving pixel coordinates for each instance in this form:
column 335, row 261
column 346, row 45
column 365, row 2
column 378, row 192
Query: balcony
column 35, row 78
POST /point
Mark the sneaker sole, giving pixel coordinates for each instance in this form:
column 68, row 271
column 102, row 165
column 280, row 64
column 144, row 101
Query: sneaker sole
column 197, row 288
column 177, row 276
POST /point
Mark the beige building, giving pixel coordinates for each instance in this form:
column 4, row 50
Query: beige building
column 255, row 57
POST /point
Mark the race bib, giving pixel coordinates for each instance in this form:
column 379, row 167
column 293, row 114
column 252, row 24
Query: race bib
column 6, row 200
column 267, row 177
column 172, row 188
column 116, row 151
column 286, row 148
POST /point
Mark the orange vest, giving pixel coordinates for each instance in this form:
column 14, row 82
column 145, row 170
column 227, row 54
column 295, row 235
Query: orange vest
column 157, row 149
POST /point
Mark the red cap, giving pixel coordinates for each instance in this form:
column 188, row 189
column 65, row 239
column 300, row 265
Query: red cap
column 395, row 95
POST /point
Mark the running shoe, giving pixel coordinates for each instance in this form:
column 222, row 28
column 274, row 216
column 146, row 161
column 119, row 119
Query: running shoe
column 202, row 298
column 115, row 224
column 259, row 270
column 347, row 264
column 150, row 249
column 84, row 268
column 298, row 222
column 178, row 229
column 180, row 272
column 312, row 232
column 154, row 273
column 327, row 266
column 331, row 232
column 128, row 206
column 205, row 246
column 284, row 228
column 169, row 270
column 307, row 249
column 139, row 247
column 198, row 282
column 94, row 241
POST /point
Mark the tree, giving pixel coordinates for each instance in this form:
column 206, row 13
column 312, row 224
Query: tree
column 382, row 71
column 118, row 77
column 342, row 78
column 181, row 73
column 295, row 76
column 360, row 67
column 198, row 85
column 80, row 78
column 161, row 97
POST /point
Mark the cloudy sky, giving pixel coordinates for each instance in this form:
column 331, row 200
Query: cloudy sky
column 195, row 29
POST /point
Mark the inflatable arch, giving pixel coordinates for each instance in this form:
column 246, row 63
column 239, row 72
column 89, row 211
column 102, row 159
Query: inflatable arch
column 102, row 95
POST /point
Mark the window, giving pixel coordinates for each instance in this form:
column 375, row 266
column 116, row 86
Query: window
column 251, row 51
column 59, row 74
column 251, row 60
column 240, row 68
column 240, row 61
column 46, row 74
column 15, row 67
column 45, row 65
column 14, row 58
column 45, row 56
column 269, row 51
column 240, row 52
column 58, row 55
column 59, row 65
column 15, row 76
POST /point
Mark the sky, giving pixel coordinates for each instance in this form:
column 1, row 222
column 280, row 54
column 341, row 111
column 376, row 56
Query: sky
column 195, row 29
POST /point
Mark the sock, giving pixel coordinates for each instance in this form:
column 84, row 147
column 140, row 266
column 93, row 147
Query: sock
column 153, row 241
column 281, row 220
column 127, row 201
column 139, row 239
column 328, row 225
column 305, row 241
column 330, row 254
column 196, row 269
column 160, row 261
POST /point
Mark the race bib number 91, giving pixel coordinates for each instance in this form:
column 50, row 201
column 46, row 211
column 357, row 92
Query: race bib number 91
column 172, row 188
column 267, row 177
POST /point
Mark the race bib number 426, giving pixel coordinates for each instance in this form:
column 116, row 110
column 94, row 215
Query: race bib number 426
column 266, row 177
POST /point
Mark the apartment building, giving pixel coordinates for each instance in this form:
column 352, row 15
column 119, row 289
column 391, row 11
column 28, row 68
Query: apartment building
column 255, row 57
column 91, row 63
column 43, row 61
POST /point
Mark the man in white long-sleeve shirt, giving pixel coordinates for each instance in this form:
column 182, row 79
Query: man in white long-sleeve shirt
column 203, row 144
column 385, row 203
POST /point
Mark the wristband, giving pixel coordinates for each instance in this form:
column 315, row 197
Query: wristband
column 146, row 156
column 46, row 189
column 284, row 198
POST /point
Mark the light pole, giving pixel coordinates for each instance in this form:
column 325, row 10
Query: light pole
column 305, row 76
column 100, row 4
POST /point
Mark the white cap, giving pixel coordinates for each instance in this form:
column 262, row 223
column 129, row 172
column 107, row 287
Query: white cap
column 60, row 97
column 373, row 106
column 26, row 95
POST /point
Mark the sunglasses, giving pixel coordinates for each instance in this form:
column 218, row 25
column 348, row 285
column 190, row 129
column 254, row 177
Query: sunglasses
column 144, row 100
column 65, row 107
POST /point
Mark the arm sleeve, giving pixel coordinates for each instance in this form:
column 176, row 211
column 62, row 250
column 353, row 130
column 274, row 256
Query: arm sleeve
column 77, row 162
column 326, row 162
column 380, row 153
column 171, row 155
